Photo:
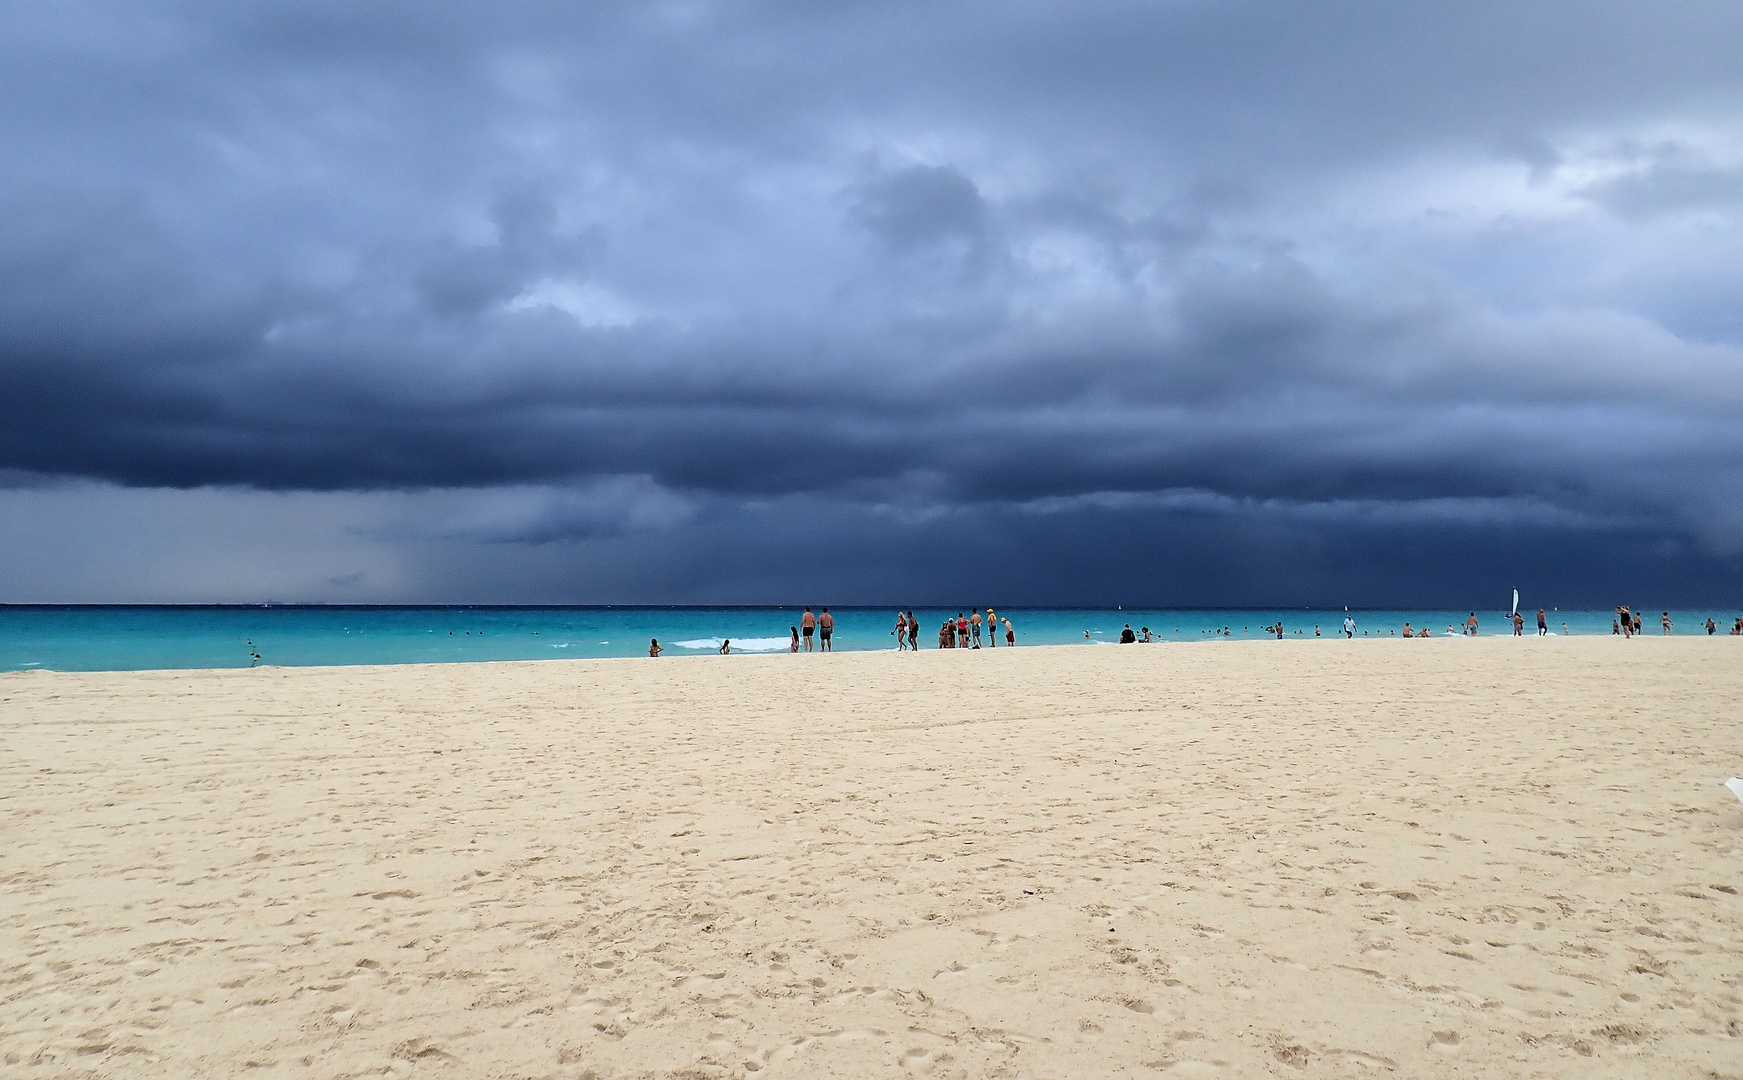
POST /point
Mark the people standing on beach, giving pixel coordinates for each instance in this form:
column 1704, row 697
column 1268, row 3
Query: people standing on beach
column 1349, row 626
column 1471, row 625
column 1518, row 625
column 901, row 631
column 913, row 633
column 947, row 635
column 974, row 624
column 1637, row 622
column 654, row 648
column 1711, row 626
column 826, row 629
column 1010, row 634
column 992, row 629
column 808, row 627
column 1542, row 627
column 1665, row 619
column 794, row 647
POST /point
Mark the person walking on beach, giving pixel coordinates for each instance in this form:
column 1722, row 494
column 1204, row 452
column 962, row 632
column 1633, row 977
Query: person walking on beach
column 826, row 629
column 1471, row 625
column 913, row 633
column 1664, row 618
column 808, row 627
column 901, row 631
column 1542, row 627
column 1349, row 626
column 1711, row 626
column 974, row 624
column 654, row 648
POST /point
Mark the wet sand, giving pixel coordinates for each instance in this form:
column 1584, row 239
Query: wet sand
column 1429, row 858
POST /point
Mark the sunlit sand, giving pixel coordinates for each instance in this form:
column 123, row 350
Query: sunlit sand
column 1438, row 858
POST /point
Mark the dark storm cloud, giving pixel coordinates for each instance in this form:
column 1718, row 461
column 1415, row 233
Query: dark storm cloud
column 1340, row 266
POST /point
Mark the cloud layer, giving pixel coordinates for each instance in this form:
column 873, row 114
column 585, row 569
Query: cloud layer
column 1290, row 282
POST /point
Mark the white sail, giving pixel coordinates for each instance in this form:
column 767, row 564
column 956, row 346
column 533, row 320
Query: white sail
column 1515, row 602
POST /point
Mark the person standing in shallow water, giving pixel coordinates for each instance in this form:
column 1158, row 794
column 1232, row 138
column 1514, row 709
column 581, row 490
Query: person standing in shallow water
column 992, row 629
column 808, row 627
column 974, row 625
column 1542, row 627
column 826, row 629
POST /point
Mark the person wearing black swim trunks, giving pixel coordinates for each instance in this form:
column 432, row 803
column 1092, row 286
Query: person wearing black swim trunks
column 826, row 629
column 808, row 627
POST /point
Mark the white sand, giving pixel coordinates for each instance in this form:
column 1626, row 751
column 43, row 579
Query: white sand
column 1438, row 858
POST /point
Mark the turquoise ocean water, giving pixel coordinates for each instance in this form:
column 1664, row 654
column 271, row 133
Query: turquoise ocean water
column 132, row 638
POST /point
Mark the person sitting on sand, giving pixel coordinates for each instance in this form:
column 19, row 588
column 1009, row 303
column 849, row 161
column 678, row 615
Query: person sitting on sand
column 654, row 649
column 1408, row 632
column 1126, row 635
column 1424, row 633
column 1143, row 633
column 726, row 647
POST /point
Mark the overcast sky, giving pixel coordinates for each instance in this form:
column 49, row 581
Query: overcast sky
column 1244, row 302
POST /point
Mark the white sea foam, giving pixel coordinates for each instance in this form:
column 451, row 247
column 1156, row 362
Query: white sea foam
column 748, row 644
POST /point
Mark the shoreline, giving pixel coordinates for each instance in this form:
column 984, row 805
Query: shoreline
column 671, row 655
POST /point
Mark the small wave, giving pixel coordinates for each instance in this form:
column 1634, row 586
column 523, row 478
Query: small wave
column 748, row 644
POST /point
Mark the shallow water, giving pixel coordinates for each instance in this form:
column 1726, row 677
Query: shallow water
column 130, row 638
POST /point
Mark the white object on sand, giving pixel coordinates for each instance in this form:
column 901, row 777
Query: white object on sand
column 1736, row 787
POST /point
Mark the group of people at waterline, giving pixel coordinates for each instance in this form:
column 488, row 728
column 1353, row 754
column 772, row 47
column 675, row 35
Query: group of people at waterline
column 816, row 631
column 962, row 632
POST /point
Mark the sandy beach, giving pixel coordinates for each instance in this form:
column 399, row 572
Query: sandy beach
column 1448, row 858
